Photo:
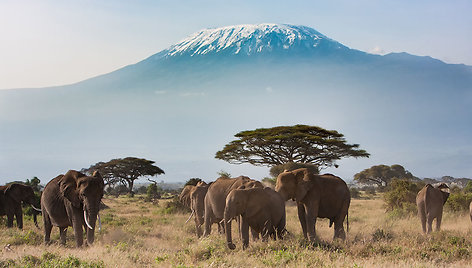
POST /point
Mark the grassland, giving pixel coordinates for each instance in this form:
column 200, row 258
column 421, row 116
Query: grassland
column 140, row 234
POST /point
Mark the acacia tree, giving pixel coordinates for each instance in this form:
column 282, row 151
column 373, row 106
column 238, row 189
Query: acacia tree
column 125, row 170
column 382, row 175
column 280, row 145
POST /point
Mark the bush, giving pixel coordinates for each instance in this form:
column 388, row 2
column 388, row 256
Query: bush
column 153, row 193
column 175, row 206
column 401, row 194
column 355, row 193
column 459, row 202
column 269, row 182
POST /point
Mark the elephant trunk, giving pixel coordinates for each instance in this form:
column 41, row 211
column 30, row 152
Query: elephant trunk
column 227, row 222
column 90, row 218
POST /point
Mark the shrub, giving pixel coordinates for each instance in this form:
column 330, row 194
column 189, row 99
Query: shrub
column 269, row 182
column 153, row 192
column 401, row 194
column 459, row 202
column 175, row 206
column 355, row 193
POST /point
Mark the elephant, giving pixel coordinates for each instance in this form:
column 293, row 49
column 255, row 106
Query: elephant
column 261, row 209
column 197, row 205
column 430, row 201
column 73, row 200
column 317, row 196
column 11, row 197
column 184, row 196
column 215, row 199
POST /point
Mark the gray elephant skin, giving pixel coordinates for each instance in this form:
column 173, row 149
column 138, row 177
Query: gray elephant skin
column 215, row 199
column 73, row 200
column 11, row 197
column 193, row 196
column 261, row 209
column 197, row 205
column 317, row 196
column 430, row 201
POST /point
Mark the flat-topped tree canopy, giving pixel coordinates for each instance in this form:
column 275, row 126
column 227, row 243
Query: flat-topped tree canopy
column 284, row 144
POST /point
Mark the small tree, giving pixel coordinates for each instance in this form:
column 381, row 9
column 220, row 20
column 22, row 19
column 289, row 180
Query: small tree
column 126, row 170
column 381, row 175
column 153, row 192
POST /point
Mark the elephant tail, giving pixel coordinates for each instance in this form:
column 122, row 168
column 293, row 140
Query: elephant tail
column 347, row 221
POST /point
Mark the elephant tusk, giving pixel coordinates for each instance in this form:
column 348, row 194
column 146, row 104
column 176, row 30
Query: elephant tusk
column 86, row 221
column 35, row 208
column 193, row 212
column 99, row 223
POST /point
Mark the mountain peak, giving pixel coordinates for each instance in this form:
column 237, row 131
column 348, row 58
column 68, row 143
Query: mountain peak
column 249, row 39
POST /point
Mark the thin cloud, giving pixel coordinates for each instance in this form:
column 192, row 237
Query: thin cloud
column 192, row 94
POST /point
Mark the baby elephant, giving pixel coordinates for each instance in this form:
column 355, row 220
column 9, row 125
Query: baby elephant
column 261, row 209
column 430, row 201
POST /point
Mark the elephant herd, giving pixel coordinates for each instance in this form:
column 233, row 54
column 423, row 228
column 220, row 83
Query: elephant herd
column 73, row 199
column 262, row 209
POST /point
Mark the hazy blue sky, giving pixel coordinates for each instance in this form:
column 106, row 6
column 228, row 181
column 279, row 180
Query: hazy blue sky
column 44, row 43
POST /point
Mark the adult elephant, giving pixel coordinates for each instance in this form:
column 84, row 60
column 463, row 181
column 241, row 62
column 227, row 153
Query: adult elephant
column 430, row 201
column 197, row 205
column 261, row 209
column 73, row 200
column 184, row 196
column 317, row 196
column 215, row 199
column 11, row 197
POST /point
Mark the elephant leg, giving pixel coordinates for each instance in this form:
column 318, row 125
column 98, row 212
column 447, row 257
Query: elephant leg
column 310, row 217
column 208, row 222
column 254, row 234
column 302, row 218
column 19, row 218
column 339, row 230
column 423, row 221
column 63, row 234
column 438, row 222
column 78, row 232
column 10, row 217
column 429, row 227
column 245, row 233
column 198, row 228
column 47, row 227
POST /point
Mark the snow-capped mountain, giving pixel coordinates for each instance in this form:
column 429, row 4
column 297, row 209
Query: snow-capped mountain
column 252, row 39
column 181, row 105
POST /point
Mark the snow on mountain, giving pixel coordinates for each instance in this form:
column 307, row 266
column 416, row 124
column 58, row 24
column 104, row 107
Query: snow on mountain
column 251, row 39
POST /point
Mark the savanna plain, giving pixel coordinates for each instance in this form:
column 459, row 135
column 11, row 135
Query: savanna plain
column 136, row 233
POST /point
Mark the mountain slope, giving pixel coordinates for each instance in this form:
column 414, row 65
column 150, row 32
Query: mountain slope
column 181, row 105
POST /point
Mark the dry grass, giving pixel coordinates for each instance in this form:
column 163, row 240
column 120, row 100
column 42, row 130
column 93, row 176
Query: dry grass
column 140, row 234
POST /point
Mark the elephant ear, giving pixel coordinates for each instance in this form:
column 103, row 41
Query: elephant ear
column 98, row 176
column 14, row 191
column 68, row 187
column 304, row 183
column 445, row 191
